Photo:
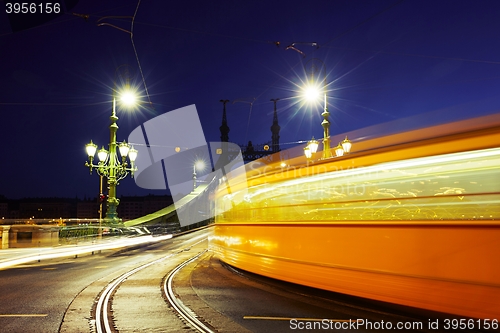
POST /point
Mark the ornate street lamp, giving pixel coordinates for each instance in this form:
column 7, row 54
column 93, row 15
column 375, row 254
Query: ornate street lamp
column 307, row 152
column 312, row 92
column 110, row 165
column 311, row 148
column 339, row 151
column 346, row 145
column 343, row 147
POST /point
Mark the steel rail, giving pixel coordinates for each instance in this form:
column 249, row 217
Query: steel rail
column 102, row 319
column 101, row 312
column 184, row 311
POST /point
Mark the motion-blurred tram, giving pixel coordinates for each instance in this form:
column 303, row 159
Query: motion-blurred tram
column 410, row 218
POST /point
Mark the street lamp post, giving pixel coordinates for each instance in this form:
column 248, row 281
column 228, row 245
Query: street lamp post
column 326, row 130
column 110, row 166
column 201, row 166
column 312, row 92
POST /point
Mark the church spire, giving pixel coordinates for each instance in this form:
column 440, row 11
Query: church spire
column 224, row 129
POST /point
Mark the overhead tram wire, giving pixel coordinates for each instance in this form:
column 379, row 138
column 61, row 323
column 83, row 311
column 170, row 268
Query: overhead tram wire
column 279, row 43
column 242, row 100
column 131, row 33
column 59, row 21
column 276, row 43
column 136, row 55
column 317, row 45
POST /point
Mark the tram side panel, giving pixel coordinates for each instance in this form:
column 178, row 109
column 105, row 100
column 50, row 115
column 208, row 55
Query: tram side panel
column 423, row 231
column 443, row 268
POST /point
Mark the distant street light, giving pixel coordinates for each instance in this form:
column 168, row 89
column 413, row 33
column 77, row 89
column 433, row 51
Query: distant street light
column 109, row 165
column 201, row 166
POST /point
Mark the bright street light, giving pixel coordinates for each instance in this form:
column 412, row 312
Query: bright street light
column 128, row 98
column 311, row 92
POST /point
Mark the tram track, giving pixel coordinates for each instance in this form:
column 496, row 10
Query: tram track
column 182, row 291
column 104, row 322
column 185, row 312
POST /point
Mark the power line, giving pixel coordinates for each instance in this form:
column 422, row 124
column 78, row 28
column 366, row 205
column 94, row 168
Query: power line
column 136, row 55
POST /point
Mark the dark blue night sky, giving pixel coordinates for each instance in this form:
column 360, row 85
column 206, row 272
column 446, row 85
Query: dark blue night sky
column 385, row 60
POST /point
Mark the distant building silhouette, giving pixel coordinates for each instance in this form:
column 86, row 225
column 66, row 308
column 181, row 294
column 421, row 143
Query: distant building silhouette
column 275, row 130
column 130, row 207
column 251, row 151
column 4, row 210
column 89, row 209
column 47, row 208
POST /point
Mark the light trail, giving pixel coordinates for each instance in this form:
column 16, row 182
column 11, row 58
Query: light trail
column 69, row 252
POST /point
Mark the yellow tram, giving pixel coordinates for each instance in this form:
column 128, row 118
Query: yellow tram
column 411, row 218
